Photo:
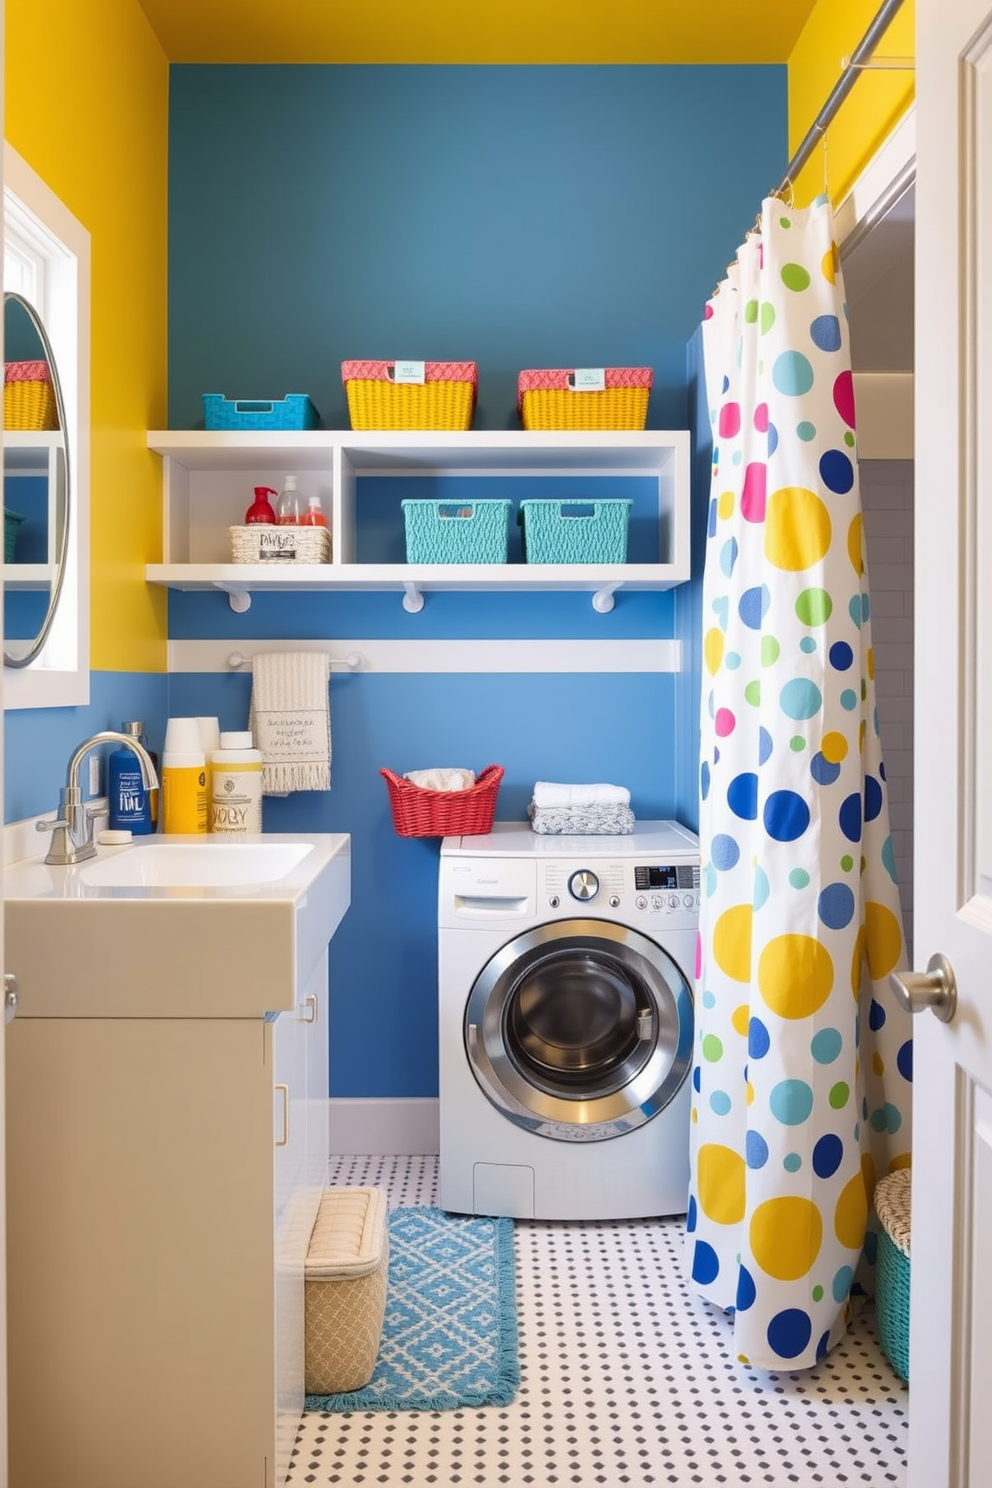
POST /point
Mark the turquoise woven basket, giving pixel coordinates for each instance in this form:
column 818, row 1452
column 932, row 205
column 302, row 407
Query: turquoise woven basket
column 295, row 411
column 11, row 522
column 575, row 531
column 892, row 1269
column 456, row 531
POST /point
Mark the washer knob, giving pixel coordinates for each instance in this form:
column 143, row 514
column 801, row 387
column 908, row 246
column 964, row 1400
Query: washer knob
column 614, row 901
column 554, row 901
column 583, row 885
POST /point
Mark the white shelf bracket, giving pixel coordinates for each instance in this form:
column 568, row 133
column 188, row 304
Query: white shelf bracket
column 238, row 599
column 603, row 600
column 413, row 600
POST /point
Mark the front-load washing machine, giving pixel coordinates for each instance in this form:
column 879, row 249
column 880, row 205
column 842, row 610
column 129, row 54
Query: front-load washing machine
column 566, row 1020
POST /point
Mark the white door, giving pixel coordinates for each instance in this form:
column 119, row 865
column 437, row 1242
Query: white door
column 951, row 1302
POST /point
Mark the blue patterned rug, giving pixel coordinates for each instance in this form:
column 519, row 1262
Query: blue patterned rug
column 449, row 1338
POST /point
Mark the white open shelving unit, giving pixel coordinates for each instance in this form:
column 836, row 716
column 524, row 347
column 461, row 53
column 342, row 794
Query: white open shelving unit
column 208, row 478
column 40, row 453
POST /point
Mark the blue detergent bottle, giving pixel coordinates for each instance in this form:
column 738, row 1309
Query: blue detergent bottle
column 130, row 807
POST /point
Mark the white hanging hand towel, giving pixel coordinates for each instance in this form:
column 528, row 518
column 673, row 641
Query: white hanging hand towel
column 548, row 793
column 290, row 720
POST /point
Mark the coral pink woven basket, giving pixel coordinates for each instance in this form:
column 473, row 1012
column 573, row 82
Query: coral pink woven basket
column 427, row 813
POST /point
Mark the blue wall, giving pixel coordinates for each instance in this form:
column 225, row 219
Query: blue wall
column 39, row 741
column 518, row 217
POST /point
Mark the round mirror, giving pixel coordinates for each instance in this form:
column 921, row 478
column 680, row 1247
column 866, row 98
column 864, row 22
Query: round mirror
column 36, row 483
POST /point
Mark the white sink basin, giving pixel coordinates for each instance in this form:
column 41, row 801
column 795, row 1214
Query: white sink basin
column 195, row 864
column 177, row 927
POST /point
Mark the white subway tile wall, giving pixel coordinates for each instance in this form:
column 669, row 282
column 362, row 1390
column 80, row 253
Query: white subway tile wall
column 887, row 501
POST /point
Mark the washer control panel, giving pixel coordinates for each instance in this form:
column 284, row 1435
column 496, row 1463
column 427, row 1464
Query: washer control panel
column 670, row 889
column 666, row 891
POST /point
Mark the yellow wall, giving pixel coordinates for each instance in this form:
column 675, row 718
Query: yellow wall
column 876, row 103
column 87, row 90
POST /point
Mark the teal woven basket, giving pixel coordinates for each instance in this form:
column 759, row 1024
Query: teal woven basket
column 11, row 522
column 575, row 531
column 295, row 411
column 892, row 1203
column 456, row 531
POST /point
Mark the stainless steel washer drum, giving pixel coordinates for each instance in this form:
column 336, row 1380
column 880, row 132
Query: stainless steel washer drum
column 580, row 1030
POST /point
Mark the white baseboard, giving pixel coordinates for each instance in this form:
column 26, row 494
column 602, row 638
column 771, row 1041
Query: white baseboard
column 383, row 1128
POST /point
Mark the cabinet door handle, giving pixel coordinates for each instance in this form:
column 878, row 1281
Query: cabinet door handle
column 310, row 1002
column 284, row 1139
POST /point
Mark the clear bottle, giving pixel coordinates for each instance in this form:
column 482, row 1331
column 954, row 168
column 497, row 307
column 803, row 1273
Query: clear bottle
column 314, row 514
column 236, row 773
column 290, row 510
column 129, row 804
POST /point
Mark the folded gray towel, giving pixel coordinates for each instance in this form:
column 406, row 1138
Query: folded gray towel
column 581, row 821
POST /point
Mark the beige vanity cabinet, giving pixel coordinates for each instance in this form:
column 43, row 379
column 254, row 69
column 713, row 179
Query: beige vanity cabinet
column 162, row 1176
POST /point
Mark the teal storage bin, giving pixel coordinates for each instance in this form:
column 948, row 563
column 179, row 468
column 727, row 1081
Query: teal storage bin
column 456, row 531
column 892, row 1268
column 295, row 411
column 11, row 522
column 575, row 531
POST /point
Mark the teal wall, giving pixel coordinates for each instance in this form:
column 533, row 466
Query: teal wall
column 518, row 217
column 514, row 216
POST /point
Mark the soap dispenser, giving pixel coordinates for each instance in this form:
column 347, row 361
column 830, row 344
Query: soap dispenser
column 290, row 503
column 314, row 514
column 261, row 508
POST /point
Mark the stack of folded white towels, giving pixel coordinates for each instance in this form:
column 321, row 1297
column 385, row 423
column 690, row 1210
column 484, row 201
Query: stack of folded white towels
column 570, row 810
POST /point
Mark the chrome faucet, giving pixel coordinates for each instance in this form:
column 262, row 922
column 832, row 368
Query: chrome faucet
column 72, row 829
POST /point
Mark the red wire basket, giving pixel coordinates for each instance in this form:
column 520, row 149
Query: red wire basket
column 427, row 813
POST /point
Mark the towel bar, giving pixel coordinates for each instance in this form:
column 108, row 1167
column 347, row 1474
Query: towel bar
column 353, row 662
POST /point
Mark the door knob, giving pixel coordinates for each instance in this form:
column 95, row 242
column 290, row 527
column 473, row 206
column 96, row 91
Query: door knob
column 934, row 988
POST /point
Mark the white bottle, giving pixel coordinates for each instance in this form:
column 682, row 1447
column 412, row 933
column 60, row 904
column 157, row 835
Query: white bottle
column 290, row 508
column 236, row 799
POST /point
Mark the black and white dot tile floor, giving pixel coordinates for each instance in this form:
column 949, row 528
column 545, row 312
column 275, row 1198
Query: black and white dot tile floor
column 626, row 1378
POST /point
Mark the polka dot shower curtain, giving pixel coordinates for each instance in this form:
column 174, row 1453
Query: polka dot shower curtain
column 803, row 1059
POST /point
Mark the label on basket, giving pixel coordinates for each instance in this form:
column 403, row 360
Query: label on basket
column 409, row 371
column 588, row 380
column 280, row 545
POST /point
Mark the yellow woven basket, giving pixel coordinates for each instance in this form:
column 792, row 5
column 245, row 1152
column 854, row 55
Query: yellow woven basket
column 29, row 397
column 445, row 399
column 551, row 399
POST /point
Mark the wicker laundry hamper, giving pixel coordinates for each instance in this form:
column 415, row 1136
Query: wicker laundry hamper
column 892, row 1204
column 345, row 1283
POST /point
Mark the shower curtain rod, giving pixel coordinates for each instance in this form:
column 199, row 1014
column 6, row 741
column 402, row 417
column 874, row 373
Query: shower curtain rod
column 858, row 62
column 855, row 64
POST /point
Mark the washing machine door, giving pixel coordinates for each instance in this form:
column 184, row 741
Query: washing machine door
column 580, row 1030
